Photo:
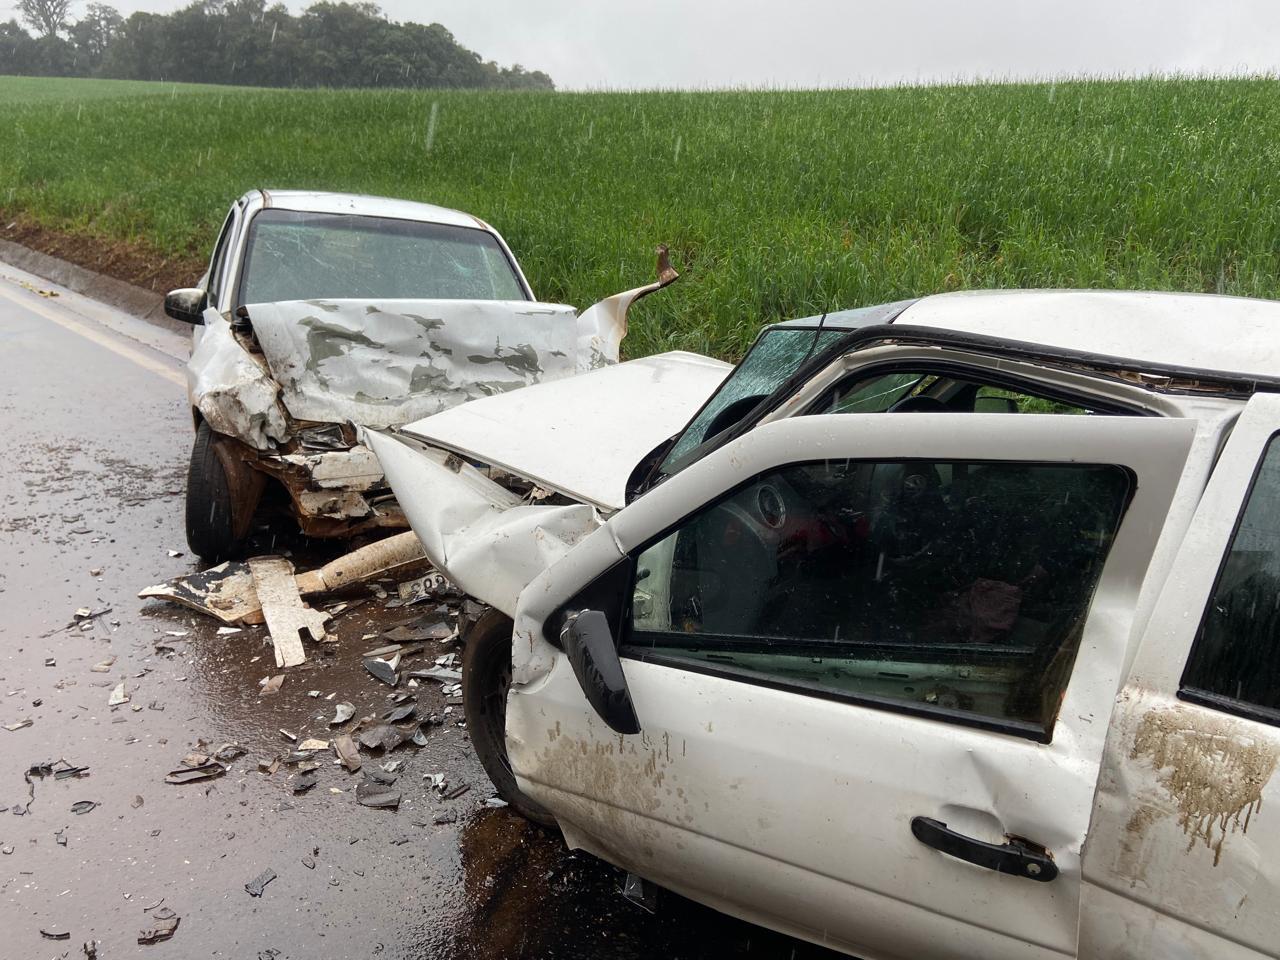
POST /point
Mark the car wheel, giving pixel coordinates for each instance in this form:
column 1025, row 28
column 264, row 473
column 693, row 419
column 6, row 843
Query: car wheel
column 210, row 525
column 486, row 680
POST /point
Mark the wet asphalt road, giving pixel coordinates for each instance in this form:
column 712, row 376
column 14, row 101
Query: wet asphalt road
column 97, row 435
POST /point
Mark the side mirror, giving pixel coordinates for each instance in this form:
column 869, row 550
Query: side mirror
column 187, row 305
column 587, row 640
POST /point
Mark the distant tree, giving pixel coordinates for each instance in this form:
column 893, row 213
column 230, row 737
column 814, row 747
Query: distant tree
column 93, row 33
column 47, row 17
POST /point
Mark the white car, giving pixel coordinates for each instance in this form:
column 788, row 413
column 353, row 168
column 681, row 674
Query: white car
column 322, row 311
column 999, row 679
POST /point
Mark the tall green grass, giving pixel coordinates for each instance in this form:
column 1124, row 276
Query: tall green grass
column 776, row 204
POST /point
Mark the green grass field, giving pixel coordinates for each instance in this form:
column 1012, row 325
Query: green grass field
column 775, row 204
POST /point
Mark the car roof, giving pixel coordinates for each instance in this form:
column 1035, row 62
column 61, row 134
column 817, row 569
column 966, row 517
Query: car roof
column 1188, row 331
column 310, row 201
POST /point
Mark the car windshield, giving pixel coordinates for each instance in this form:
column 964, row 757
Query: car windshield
column 306, row 256
column 776, row 355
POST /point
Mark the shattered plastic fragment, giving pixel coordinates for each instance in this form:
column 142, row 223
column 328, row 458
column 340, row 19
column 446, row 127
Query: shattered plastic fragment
column 55, row 933
column 163, row 929
column 342, row 713
column 400, row 713
column 259, row 883
column 372, row 794
column 304, row 782
column 381, row 736
column 206, row 771
column 384, row 670
column 83, row 806
column 21, row 724
column 345, row 748
column 118, row 696
column 313, row 744
column 271, row 684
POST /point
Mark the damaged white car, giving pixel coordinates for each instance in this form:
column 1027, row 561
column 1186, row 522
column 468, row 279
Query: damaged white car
column 996, row 679
column 321, row 311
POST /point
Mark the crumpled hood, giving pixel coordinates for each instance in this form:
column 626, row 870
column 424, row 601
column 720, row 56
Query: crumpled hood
column 380, row 363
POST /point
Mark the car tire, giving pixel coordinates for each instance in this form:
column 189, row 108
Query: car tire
column 486, row 680
column 210, row 523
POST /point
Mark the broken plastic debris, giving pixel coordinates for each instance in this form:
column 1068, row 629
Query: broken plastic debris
column 18, row 726
column 446, row 816
column 398, row 714
column 83, row 806
column 205, row 771
column 271, row 684
column 259, row 883
column 304, row 782
column 228, row 752
column 291, row 737
column 342, row 713
column 163, row 928
column 494, row 802
column 118, row 696
column 104, row 666
column 370, row 793
column 443, row 674
column 384, row 670
column 381, row 736
column 345, row 748
column 55, row 933
column 643, row 894
column 313, row 744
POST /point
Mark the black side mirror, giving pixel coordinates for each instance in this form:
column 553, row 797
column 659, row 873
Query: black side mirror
column 587, row 640
column 186, row 304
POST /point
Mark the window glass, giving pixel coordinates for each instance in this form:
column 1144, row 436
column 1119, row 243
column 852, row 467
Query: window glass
column 305, row 256
column 1237, row 652
column 217, row 266
column 941, row 586
column 776, row 355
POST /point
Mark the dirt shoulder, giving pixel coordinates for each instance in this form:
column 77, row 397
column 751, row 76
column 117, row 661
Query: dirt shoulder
column 132, row 263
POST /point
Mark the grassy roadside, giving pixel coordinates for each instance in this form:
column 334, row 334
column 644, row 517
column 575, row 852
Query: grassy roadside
column 775, row 203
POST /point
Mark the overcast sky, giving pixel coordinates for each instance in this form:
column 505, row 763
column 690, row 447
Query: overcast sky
column 718, row 43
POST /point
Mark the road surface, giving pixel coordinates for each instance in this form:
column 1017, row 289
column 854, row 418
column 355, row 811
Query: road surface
column 97, row 431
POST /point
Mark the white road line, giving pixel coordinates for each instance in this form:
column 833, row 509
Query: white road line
column 136, row 356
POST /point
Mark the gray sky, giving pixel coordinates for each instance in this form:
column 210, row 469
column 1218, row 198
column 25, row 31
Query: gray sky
column 718, row 43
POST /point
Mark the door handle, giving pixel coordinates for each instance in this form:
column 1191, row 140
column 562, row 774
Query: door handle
column 1016, row 857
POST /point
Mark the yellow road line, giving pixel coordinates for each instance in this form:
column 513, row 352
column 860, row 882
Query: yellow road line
column 112, row 343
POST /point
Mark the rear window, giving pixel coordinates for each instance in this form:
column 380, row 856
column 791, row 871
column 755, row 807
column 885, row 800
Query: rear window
column 308, row 256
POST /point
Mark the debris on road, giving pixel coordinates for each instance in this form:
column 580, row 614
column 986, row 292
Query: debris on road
column 345, row 749
column 382, row 737
column 255, row 886
column 304, row 782
column 55, row 933
column 229, row 593
column 19, row 725
column 104, row 666
column 205, row 771
column 165, row 924
column 313, row 744
column 384, row 670
column 342, row 713
column 442, row 674
column 271, row 684
column 84, row 806
column 289, row 735
column 118, row 696
column 287, row 617
column 228, row 752
column 371, row 793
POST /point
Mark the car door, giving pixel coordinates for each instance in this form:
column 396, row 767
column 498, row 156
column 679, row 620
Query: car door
column 1183, row 856
column 851, row 643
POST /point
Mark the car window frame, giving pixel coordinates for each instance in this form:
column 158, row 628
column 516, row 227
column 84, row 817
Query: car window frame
column 1199, row 695
column 1019, row 728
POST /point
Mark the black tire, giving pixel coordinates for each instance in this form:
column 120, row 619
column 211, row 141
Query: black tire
column 210, row 525
column 486, row 679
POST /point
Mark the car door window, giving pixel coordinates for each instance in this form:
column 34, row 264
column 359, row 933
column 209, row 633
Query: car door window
column 218, row 265
column 951, row 588
column 1235, row 661
column 925, row 390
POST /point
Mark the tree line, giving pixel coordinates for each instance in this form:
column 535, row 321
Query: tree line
column 249, row 43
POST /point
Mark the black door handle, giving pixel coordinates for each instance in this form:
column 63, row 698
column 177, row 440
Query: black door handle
column 1016, row 858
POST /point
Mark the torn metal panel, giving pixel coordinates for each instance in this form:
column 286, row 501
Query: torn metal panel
column 231, row 389
column 286, row 615
column 385, row 362
column 487, row 541
column 618, row 413
column 602, row 326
